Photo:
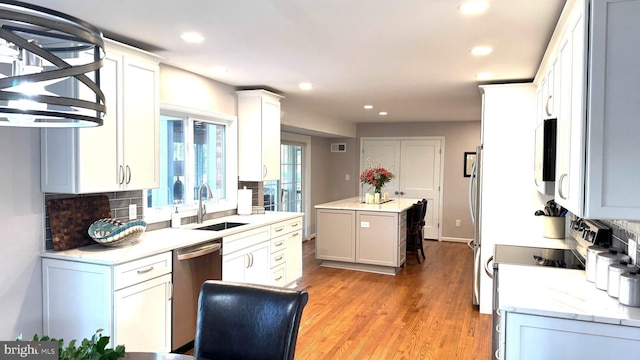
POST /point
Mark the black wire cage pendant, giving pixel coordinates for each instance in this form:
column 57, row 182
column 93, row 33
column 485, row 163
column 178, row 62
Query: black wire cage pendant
column 49, row 68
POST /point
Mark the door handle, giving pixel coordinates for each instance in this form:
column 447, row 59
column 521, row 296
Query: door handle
column 128, row 174
column 486, row 267
column 122, row 175
column 560, row 183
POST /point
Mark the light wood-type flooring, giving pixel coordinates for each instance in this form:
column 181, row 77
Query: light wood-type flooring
column 424, row 312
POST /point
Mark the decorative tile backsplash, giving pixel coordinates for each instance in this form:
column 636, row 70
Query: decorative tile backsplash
column 624, row 231
column 118, row 202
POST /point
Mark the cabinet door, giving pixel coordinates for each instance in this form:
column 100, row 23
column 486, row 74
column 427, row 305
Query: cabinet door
column 234, row 266
column 572, row 119
column 613, row 173
column 294, row 256
column 140, row 136
column 142, row 315
column 335, row 235
column 377, row 238
column 259, row 269
column 270, row 139
column 72, row 291
column 538, row 337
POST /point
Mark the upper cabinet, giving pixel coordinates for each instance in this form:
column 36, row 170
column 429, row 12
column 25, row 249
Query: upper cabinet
column 123, row 154
column 594, row 59
column 258, row 135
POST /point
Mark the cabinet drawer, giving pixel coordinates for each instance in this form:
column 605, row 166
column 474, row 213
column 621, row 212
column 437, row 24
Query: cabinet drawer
column 278, row 258
column 244, row 239
column 279, row 243
column 402, row 253
column 278, row 276
column 285, row 227
column 141, row 270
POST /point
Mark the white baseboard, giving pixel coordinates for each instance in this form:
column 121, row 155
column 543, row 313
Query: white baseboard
column 454, row 239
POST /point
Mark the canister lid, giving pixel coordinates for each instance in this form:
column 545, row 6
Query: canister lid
column 622, row 266
column 631, row 276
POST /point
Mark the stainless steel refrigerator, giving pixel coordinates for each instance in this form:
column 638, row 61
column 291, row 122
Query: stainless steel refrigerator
column 475, row 201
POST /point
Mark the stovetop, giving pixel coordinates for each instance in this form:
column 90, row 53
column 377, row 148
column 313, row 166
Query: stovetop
column 535, row 256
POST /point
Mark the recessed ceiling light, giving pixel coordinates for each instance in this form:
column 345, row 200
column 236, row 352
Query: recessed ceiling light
column 481, row 50
column 484, row 76
column 305, row 86
column 473, row 7
column 192, row 37
column 368, row 107
column 382, row 113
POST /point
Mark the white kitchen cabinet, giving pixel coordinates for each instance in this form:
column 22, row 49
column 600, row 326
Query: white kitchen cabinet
column 246, row 256
column 336, row 235
column 286, row 251
column 538, row 337
column 597, row 126
column 258, row 135
column 377, row 236
column 124, row 300
column 123, row 153
column 364, row 240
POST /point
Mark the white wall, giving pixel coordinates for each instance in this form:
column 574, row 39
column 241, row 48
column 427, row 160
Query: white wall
column 295, row 119
column 21, row 233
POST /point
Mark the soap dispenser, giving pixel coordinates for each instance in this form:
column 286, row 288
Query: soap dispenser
column 175, row 219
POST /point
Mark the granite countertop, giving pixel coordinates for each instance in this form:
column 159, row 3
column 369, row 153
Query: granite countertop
column 560, row 293
column 158, row 241
column 395, row 205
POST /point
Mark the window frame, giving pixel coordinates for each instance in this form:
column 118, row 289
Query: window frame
column 230, row 202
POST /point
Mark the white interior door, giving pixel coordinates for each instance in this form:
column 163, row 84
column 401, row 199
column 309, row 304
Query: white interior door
column 420, row 178
column 416, row 162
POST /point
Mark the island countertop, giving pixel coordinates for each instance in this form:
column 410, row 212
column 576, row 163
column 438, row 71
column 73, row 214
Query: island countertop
column 396, row 205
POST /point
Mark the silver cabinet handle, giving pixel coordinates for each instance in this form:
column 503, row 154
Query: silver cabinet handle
column 560, row 183
column 278, row 278
column 264, row 171
column 122, row 175
column 145, row 270
column 295, row 225
column 279, row 229
column 279, row 243
column 251, row 257
column 279, row 258
column 248, row 257
column 128, row 174
column 548, row 105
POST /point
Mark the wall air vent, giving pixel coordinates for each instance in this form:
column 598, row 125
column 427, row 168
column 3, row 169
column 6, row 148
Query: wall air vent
column 339, row 147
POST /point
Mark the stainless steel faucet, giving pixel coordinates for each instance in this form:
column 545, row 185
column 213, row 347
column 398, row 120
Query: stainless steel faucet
column 201, row 208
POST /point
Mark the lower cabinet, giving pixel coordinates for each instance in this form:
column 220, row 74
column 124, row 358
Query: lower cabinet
column 336, row 235
column 250, row 265
column 535, row 337
column 362, row 237
column 377, row 238
column 124, row 300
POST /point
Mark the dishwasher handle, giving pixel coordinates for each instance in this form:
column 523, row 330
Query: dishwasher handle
column 197, row 251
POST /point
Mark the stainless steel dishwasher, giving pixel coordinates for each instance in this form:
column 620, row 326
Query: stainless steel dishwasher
column 192, row 266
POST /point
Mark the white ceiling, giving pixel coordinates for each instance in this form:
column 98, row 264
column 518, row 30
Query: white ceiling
column 407, row 57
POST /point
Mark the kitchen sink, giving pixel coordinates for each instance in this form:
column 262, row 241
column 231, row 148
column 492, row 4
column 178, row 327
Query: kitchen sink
column 221, row 226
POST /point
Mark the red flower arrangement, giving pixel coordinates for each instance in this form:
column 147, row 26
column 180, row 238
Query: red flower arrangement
column 376, row 176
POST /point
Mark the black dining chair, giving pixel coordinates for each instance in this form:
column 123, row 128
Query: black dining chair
column 415, row 217
column 244, row 321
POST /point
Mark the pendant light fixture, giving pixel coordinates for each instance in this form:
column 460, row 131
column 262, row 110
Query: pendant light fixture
column 49, row 68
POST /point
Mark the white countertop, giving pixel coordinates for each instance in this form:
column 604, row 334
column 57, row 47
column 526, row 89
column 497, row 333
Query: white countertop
column 561, row 293
column 534, row 240
column 159, row 241
column 395, row 205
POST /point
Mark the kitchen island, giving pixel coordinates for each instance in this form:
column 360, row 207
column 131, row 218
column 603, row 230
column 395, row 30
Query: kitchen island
column 366, row 237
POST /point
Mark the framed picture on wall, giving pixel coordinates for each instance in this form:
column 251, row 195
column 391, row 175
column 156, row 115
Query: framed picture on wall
column 469, row 160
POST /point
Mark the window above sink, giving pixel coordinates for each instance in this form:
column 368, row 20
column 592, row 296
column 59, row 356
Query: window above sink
column 195, row 147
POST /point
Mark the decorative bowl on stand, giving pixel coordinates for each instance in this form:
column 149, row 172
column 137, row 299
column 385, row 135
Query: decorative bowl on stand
column 112, row 232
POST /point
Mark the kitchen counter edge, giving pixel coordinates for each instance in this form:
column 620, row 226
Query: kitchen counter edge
column 162, row 240
column 395, row 205
column 560, row 293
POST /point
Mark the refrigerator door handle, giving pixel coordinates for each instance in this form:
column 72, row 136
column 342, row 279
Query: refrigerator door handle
column 476, row 275
column 470, row 244
column 471, row 193
column 486, row 267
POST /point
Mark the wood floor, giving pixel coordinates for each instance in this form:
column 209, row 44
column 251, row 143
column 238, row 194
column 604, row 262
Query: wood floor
column 424, row 312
